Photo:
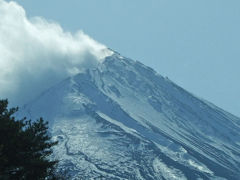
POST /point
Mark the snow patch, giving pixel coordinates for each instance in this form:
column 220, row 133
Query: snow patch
column 169, row 173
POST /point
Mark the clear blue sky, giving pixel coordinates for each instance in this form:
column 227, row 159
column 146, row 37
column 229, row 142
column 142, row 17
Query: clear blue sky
column 196, row 43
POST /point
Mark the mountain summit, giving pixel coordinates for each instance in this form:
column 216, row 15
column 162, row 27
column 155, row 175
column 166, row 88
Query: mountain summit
column 122, row 120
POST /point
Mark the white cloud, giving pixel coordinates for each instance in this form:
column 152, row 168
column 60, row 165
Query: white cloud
column 36, row 53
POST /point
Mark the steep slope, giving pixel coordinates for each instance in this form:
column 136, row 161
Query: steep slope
column 122, row 120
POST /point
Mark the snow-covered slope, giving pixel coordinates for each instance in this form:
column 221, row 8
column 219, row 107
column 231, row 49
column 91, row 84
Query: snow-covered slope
column 122, row 120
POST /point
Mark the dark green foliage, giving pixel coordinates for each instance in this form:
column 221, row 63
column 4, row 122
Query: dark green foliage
column 25, row 147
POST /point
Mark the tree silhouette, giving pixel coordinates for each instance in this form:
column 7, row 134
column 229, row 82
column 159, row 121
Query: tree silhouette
column 25, row 147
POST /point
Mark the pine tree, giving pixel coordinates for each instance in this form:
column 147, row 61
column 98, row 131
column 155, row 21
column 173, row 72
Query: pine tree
column 25, row 147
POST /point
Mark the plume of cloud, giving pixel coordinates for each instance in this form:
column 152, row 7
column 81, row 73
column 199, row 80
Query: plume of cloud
column 36, row 53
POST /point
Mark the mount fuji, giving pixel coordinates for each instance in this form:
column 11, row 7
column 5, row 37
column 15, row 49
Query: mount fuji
column 122, row 120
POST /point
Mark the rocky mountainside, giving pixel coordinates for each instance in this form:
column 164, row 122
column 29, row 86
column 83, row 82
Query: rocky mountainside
column 122, row 120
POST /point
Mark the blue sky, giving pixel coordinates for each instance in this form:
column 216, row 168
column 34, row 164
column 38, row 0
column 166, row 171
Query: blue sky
column 195, row 43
